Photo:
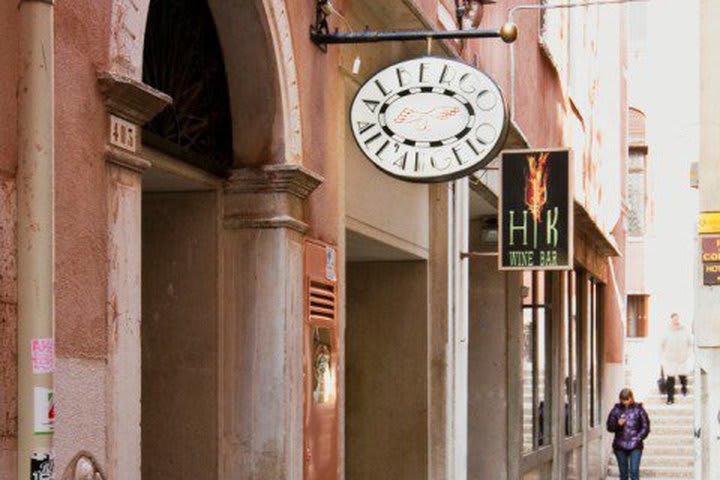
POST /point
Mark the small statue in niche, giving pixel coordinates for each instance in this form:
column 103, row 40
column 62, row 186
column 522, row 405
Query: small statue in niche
column 323, row 381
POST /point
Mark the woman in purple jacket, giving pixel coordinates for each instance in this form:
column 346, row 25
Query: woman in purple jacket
column 630, row 423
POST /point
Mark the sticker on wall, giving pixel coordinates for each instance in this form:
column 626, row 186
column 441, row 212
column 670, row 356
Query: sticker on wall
column 44, row 411
column 709, row 223
column 330, row 264
column 43, row 355
column 42, row 465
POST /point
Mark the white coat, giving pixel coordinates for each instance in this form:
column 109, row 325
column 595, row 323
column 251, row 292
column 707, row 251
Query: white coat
column 675, row 351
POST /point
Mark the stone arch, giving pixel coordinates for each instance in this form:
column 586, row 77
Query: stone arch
column 249, row 33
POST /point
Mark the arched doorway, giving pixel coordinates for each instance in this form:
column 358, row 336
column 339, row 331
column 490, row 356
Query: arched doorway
column 190, row 148
column 222, row 244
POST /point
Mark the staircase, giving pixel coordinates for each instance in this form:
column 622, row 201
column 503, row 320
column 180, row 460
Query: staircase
column 668, row 451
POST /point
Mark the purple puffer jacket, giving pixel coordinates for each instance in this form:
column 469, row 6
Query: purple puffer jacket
column 636, row 429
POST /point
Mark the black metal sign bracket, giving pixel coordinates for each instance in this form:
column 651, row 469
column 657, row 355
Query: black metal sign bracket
column 322, row 37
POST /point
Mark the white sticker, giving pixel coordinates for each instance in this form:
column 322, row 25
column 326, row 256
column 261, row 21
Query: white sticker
column 43, row 355
column 44, row 411
column 42, row 466
column 330, row 264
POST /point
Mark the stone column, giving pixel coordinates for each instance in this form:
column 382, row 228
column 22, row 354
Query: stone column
column 261, row 332
column 448, row 331
column 111, row 393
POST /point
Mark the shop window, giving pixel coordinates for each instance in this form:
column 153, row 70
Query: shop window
column 594, row 372
column 537, row 371
column 572, row 358
column 582, row 364
column 637, row 320
column 573, row 348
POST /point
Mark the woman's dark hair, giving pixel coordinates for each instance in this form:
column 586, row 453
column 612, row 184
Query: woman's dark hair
column 626, row 394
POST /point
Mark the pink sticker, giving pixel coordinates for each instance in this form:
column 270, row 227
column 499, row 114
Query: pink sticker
column 43, row 355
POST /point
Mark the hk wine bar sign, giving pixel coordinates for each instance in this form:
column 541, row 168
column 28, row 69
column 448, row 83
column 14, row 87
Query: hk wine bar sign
column 536, row 210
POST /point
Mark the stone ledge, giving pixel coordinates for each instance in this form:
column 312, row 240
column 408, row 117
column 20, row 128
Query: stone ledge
column 134, row 101
column 293, row 179
column 125, row 159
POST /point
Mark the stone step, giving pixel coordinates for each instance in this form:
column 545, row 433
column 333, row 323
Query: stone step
column 658, row 426
column 671, row 419
column 676, row 410
column 653, row 400
column 649, row 460
column 614, row 477
column 660, row 430
column 653, row 449
column 678, row 393
column 656, row 419
column 678, row 390
column 670, row 440
column 658, row 472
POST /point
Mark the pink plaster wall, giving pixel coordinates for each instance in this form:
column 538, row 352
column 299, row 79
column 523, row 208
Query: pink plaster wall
column 8, row 266
column 81, row 49
column 539, row 98
column 82, row 46
column 321, row 101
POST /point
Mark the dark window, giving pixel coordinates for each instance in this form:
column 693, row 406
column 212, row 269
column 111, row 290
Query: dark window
column 537, row 360
column 595, row 362
column 182, row 58
column 637, row 321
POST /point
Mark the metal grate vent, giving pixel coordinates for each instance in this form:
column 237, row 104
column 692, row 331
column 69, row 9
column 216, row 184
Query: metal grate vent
column 322, row 301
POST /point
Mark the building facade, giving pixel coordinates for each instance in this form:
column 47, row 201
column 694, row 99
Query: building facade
column 707, row 335
column 663, row 142
column 233, row 291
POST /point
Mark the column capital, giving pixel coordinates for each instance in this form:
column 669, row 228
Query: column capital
column 268, row 197
column 285, row 178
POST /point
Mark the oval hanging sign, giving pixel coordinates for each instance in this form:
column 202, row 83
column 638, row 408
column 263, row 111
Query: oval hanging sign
column 429, row 119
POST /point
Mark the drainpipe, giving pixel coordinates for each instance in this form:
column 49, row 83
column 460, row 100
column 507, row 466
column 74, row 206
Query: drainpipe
column 35, row 239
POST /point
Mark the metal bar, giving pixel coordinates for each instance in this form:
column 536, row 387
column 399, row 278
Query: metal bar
column 465, row 255
column 376, row 37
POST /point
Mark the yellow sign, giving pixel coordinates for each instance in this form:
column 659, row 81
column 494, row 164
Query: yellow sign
column 709, row 222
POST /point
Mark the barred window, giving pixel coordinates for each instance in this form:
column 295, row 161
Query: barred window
column 636, row 193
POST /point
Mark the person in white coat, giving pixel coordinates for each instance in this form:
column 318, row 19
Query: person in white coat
column 675, row 350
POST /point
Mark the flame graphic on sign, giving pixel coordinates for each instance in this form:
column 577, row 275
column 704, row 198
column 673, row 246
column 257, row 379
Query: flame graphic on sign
column 422, row 119
column 536, row 185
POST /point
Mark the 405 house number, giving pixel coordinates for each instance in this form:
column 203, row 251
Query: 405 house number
column 429, row 119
